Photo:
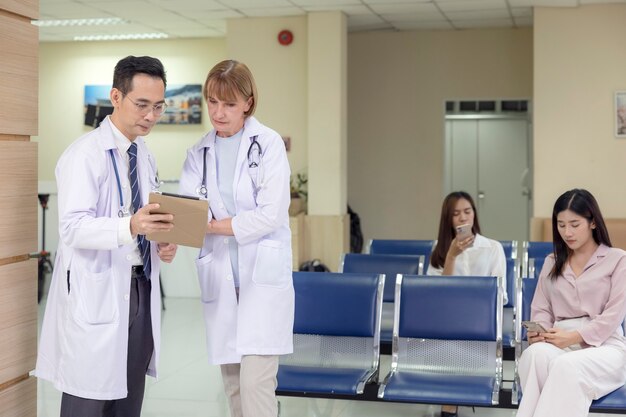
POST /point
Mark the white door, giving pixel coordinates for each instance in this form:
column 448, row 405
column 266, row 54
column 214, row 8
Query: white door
column 489, row 158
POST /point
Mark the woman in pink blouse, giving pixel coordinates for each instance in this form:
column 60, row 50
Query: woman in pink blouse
column 581, row 301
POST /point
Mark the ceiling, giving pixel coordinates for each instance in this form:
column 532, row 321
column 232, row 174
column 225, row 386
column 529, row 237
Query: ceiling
column 207, row 18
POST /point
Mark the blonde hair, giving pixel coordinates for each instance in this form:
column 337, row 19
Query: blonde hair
column 229, row 80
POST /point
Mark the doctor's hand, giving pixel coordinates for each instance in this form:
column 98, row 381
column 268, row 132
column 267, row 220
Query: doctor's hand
column 143, row 222
column 167, row 251
column 222, row 227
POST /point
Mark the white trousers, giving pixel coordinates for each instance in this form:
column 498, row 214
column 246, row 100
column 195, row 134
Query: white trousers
column 562, row 383
column 251, row 386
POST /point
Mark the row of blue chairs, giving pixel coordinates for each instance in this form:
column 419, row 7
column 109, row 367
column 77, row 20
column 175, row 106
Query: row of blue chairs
column 522, row 274
column 447, row 341
column 531, row 257
column 397, row 256
column 425, row 247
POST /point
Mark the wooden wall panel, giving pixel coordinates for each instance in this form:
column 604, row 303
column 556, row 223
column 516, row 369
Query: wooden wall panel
column 19, row 70
column 18, row 76
column 298, row 240
column 19, row 400
column 26, row 8
column 14, row 138
column 18, row 198
column 18, row 327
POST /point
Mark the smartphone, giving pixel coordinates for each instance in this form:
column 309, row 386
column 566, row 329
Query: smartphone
column 463, row 232
column 533, row 326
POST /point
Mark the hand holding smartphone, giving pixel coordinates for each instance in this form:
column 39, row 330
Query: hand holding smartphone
column 533, row 326
column 463, row 232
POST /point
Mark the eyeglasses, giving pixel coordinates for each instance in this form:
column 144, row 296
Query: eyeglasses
column 145, row 108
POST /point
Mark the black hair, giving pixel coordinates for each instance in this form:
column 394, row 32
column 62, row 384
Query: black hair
column 130, row 66
column 584, row 204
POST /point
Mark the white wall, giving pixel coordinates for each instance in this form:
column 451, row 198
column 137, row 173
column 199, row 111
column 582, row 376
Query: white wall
column 580, row 61
column 280, row 73
column 397, row 85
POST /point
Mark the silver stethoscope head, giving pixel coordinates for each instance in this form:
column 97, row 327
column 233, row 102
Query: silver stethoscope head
column 202, row 190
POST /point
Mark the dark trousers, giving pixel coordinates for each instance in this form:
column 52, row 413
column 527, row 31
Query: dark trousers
column 140, row 347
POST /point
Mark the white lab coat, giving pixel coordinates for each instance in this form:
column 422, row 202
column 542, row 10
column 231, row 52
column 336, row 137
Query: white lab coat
column 261, row 323
column 84, row 338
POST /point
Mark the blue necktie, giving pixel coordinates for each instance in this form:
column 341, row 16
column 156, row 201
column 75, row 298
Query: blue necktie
column 144, row 245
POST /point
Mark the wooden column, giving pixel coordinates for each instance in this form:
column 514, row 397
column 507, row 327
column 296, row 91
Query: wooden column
column 18, row 206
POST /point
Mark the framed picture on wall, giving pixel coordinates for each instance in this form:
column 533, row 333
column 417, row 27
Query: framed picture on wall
column 184, row 104
column 620, row 114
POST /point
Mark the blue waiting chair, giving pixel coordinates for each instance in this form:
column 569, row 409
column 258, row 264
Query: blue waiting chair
column 524, row 293
column 390, row 265
column 526, row 287
column 508, row 326
column 447, row 346
column 402, row 247
column 510, row 248
column 534, row 253
column 336, row 333
column 534, row 267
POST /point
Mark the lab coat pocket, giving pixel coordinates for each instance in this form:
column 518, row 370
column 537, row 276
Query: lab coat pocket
column 272, row 267
column 206, row 278
column 94, row 293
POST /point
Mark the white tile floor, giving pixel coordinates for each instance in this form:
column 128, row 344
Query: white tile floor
column 189, row 387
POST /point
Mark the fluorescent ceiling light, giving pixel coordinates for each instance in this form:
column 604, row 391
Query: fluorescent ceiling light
column 80, row 22
column 122, row 37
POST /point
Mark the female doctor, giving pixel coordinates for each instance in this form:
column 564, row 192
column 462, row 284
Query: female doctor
column 244, row 267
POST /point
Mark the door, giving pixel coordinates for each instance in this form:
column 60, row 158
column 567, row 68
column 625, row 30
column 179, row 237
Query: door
column 489, row 158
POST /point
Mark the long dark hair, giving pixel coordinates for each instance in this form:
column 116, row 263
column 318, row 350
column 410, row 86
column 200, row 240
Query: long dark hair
column 446, row 229
column 584, row 204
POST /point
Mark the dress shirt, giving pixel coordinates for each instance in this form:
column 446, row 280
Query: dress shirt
column 598, row 293
column 124, row 236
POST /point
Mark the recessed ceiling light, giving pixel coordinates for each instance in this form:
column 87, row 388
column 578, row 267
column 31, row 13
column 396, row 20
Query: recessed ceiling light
column 122, row 37
column 80, row 22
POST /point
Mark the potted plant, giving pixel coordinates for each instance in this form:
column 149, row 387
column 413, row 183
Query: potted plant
column 298, row 185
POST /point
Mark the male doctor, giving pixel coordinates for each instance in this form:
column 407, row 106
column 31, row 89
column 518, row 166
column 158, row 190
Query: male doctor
column 100, row 332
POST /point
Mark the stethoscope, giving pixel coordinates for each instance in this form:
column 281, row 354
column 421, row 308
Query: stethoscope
column 255, row 161
column 255, row 164
column 201, row 190
column 123, row 211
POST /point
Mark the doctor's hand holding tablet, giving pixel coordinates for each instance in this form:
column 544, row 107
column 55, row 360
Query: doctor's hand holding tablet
column 144, row 222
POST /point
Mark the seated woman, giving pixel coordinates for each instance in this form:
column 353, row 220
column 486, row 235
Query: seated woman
column 581, row 301
column 470, row 254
